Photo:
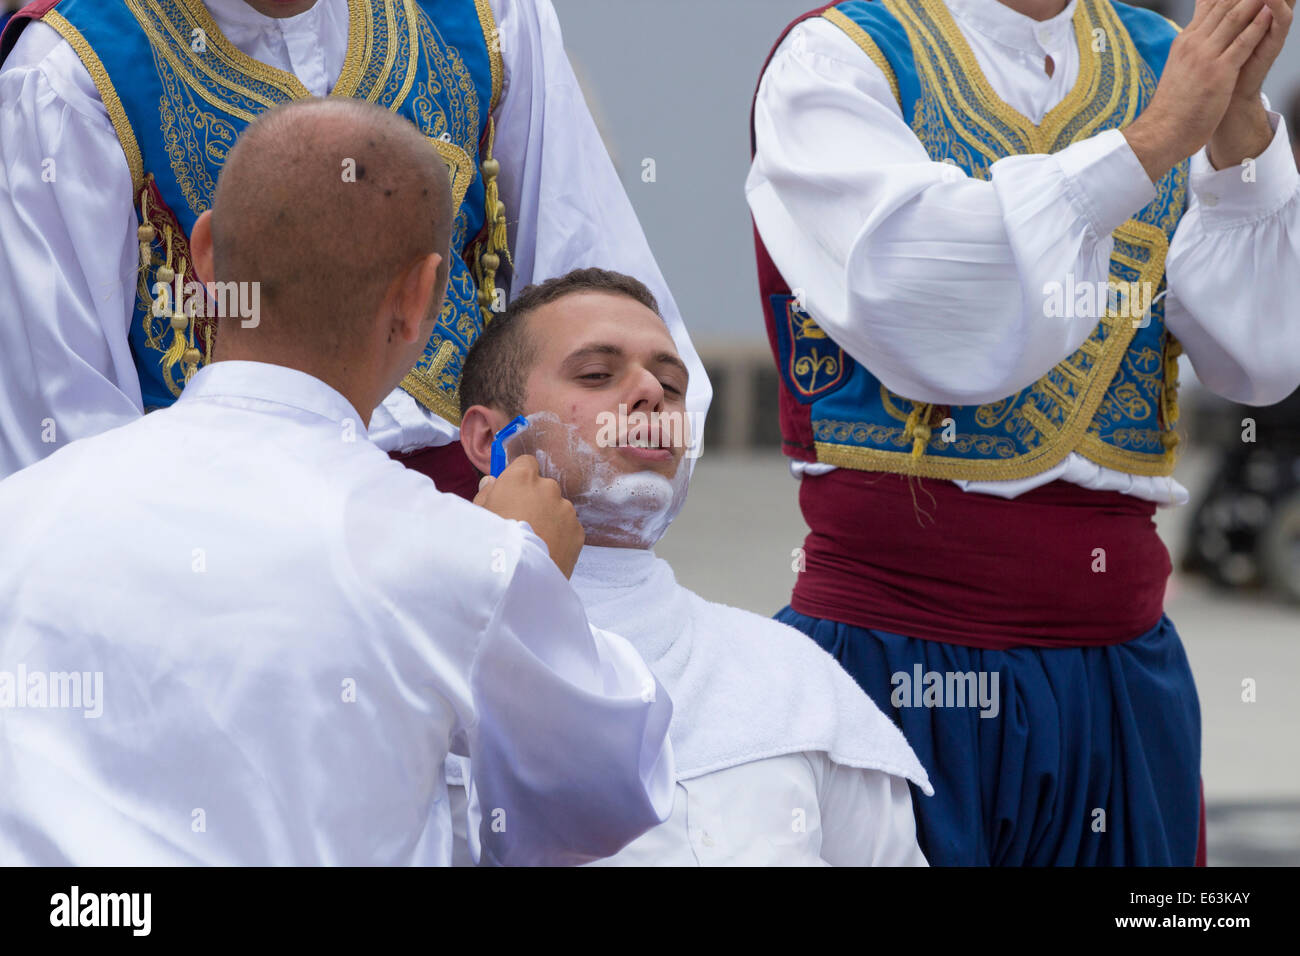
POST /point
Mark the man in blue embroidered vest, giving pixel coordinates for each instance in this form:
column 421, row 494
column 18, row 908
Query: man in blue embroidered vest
column 116, row 117
column 986, row 231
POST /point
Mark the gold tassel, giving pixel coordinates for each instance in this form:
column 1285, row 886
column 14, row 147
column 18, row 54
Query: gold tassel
column 497, row 241
column 491, row 191
column 146, row 234
column 157, row 308
column 500, row 235
column 179, row 322
column 918, row 427
column 192, row 356
column 1173, row 349
column 176, row 351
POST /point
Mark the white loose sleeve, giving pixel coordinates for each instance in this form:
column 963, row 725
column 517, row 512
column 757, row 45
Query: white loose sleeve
column 933, row 280
column 866, row 817
column 68, row 257
column 566, row 205
column 1234, row 275
column 569, row 751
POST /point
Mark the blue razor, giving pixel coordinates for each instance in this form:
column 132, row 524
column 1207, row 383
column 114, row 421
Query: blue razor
column 518, row 423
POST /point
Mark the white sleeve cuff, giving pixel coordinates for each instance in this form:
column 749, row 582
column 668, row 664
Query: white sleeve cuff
column 1251, row 191
column 1105, row 177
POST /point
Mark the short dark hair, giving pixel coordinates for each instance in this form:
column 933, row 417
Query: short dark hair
column 496, row 369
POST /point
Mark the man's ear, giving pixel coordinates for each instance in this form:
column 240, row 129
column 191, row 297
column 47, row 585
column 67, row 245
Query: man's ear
column 201, row 247
column 478, row 426
column 417, row 296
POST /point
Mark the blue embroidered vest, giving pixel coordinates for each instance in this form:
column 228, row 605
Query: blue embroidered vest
column 1114, row 400
column 179, row 93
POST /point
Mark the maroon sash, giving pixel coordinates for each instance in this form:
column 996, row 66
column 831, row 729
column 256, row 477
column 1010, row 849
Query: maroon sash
column 1057, row 566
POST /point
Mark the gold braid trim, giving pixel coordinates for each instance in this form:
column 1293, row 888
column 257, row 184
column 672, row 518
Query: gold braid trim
column 194, row 67
column 863, row 39
column 416, row 384
column 413, row 29
column 112, row 102
column 496, row 242
column 1106, row 455
column 360, row 28
column 492, row 38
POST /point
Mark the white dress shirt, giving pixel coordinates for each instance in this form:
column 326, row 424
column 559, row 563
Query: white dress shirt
column 69, row 258
column 934, row 280
column 292, row 632
column 782, row 760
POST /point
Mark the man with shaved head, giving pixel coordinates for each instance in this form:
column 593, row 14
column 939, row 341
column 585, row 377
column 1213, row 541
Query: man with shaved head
column 235, row 631
column 352, row 233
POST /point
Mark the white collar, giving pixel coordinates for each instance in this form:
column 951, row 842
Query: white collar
column 276, row 384
column 614, row 568
column 236, row 17
column 639, row 590
column 1005, row 26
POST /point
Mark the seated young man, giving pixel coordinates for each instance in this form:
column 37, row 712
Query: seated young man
column 781, row 758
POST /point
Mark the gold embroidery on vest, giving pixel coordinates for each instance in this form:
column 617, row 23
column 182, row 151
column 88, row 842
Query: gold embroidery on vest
column 227, row 78
column 182, row 123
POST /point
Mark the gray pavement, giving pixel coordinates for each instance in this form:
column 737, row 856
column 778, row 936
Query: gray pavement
column 733, row 543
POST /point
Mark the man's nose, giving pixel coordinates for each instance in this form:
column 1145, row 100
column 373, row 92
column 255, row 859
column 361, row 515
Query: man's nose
column 647, row 392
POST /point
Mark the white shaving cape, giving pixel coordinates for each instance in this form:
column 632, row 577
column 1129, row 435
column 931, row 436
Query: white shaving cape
column 744, row 687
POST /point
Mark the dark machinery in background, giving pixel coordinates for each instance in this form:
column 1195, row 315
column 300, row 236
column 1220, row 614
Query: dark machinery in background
column 1245, row 532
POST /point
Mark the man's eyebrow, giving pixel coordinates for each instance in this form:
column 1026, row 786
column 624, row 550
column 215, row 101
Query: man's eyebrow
column 596, row 348
column 667, row 358
column 607, row 348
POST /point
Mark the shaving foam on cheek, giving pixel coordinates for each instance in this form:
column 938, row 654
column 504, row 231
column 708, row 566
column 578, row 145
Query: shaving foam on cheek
column 630, row 509
column 633, row 509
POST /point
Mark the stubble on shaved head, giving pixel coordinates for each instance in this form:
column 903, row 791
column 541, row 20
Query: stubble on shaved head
column 323, row 203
